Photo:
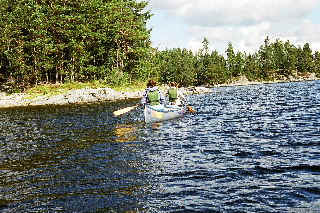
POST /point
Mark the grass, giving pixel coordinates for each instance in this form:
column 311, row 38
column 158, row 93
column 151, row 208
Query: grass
column 56, row 89
column 136, row 86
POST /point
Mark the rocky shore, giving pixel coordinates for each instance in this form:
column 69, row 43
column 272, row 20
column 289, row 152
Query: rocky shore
column 89, row 95
column 81, row 96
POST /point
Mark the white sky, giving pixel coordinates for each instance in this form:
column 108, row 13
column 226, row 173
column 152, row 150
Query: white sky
column 244, row 23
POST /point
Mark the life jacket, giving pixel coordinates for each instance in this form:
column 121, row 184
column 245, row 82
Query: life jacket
column 153, row 97
column 173, row 94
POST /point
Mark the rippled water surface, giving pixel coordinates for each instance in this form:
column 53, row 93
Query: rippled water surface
column 248, row 149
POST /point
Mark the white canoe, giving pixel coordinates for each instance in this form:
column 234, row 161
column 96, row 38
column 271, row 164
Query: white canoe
column 161, row 113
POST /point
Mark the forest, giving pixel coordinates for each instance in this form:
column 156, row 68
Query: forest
column 59, row 41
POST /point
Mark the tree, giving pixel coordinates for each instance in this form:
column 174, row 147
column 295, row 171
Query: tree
column 203, row 63
column 265, row 59
column 177, row 65
column 251, row 68
column 317, row 63
column 305, row 59
column 78, row 40
column 217, row 73
column 292, row 56
column 230, row 60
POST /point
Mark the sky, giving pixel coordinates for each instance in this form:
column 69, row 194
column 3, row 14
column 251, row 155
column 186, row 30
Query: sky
column 243, row 23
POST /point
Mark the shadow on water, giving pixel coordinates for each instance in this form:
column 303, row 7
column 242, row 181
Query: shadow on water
column 248, row 149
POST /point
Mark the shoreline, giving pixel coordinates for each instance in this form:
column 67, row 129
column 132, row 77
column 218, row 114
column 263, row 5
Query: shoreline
column 81, row 96
column 89, row 95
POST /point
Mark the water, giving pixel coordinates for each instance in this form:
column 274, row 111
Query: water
column 248, row 149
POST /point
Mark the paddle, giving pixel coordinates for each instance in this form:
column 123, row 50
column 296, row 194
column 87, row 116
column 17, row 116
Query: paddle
column 124, row 110
column 190, row 109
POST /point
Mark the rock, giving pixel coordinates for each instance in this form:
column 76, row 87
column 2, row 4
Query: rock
column 197, row 90
column 3, row 94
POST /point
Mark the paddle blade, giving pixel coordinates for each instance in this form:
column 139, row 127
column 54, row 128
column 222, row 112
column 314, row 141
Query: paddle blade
column 190, row 109
column 124, row 110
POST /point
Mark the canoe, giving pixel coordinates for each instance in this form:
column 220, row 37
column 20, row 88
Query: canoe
column 161, row 113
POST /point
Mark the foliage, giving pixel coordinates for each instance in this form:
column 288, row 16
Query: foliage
column 316, row 58
column 66, row 41
column 176, row 65
column 305, row 59
column 211, row 68
column 273, row 61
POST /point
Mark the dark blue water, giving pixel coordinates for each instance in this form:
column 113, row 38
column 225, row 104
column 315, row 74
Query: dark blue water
column 248, row 149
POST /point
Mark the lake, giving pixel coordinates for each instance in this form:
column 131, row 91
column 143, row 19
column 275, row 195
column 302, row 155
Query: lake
column 247, row 149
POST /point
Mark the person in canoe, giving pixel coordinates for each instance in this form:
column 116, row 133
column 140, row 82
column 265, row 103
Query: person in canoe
column 152, row 95
column 154, row 105
column 174, row 96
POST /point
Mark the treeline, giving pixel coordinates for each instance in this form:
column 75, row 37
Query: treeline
column 57, row 41
column 276, row 60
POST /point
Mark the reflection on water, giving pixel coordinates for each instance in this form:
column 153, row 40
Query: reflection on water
column 125, row 132
column 248, row 149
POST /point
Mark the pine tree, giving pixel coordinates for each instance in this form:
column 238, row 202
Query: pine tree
column 78, row 40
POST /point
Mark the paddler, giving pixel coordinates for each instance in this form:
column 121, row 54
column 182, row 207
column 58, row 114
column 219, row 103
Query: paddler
column 152, row 95
column 174, row 97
